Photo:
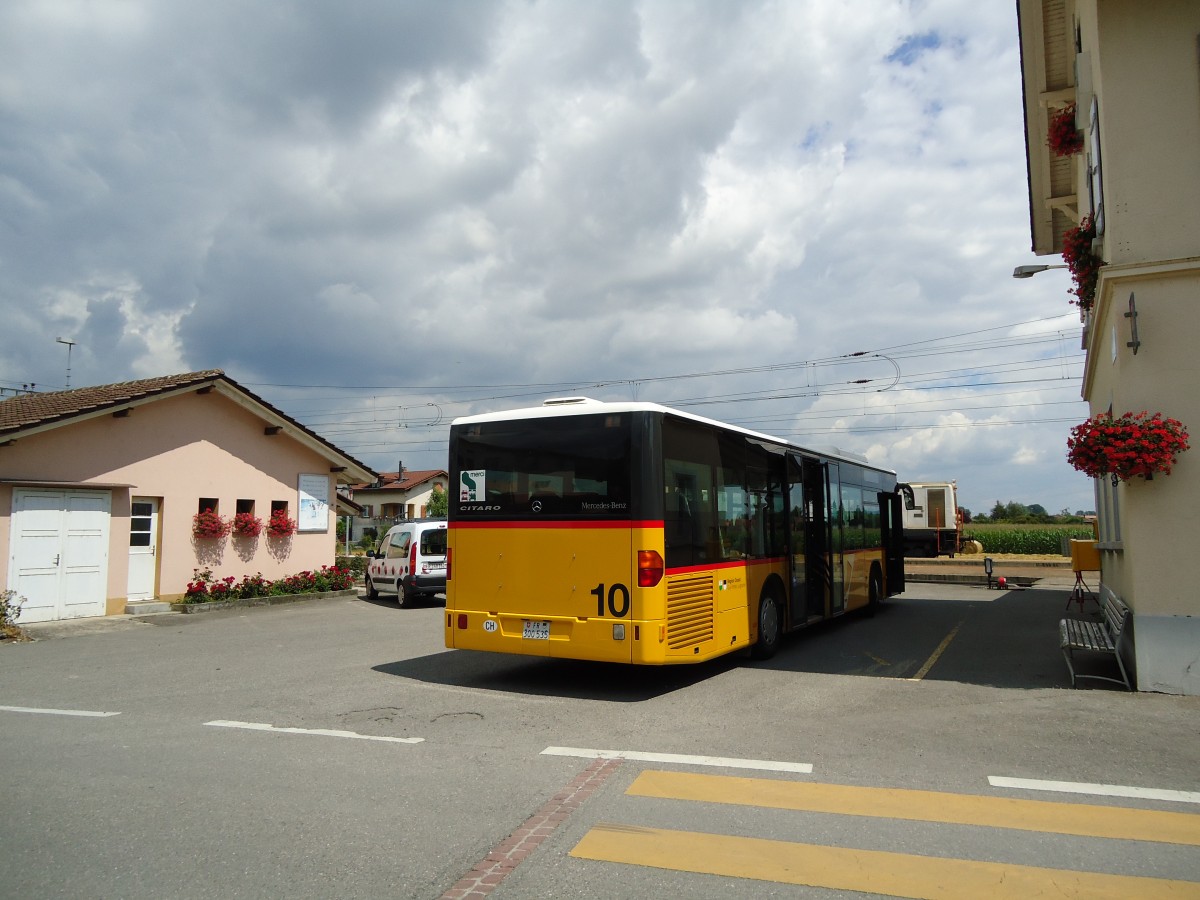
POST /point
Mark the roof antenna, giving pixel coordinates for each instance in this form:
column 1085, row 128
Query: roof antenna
column 69, row 344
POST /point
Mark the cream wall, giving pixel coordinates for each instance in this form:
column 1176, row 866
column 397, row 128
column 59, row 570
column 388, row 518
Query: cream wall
column 180, row 449
column 1145, row 73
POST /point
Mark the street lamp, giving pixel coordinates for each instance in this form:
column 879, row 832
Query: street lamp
column 1030, row 271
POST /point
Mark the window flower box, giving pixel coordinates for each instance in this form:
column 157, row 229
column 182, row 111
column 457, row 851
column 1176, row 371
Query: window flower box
column 207, row 525
column 1126, row 446
column 246, row 524
column 1083, row 263
column 1062, row 136
column 280, row 525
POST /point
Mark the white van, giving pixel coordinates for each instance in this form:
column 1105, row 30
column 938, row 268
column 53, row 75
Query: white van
column 410, row 562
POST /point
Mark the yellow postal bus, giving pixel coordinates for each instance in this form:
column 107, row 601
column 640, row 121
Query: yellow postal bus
column 636, row 533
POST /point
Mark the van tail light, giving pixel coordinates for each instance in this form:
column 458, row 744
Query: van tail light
column 650, row 568
column 412, row 559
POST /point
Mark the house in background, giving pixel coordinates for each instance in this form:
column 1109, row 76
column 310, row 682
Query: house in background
column 1131, row 71
column 395, row 496
column 99, row 488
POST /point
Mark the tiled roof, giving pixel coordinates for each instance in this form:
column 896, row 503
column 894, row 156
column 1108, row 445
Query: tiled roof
column 27, row 410
column 401, row 481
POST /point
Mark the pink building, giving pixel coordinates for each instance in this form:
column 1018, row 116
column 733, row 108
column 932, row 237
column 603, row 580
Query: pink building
column 100, row 486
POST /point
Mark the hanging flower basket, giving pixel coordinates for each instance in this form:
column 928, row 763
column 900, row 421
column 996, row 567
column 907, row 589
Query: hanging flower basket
column 1063, row 137
column 279, row 525
column 1083, row 263
column 1126, row 446
column 207, row 524
column 247, row 524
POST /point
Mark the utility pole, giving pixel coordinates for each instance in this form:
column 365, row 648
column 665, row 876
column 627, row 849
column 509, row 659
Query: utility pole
column 69, row 344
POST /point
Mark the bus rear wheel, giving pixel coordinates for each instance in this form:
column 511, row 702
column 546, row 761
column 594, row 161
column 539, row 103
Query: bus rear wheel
column 770, row 627
column 874, row 591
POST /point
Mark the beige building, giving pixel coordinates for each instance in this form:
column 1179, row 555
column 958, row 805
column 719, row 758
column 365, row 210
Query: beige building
column 1132, row 70
column 395, row 496
column 100, row 486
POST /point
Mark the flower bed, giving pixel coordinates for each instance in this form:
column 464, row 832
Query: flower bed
column 203, row 588
column 270, row 600
column 1126, row 446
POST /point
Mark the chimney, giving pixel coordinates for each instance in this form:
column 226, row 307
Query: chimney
column 400, row 469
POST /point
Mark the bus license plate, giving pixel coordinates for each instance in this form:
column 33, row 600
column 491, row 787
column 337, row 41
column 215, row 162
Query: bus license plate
column 538, row 631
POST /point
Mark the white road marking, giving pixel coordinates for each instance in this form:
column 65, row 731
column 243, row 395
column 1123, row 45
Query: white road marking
column 766, row 765
column 1100, row 790
column 324, row 732
column 60, row 712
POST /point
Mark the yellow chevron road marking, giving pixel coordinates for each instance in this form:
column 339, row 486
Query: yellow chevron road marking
column 871, row 871
column 925, row 806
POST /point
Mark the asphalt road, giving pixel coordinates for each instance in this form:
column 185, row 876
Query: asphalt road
column 405, row 767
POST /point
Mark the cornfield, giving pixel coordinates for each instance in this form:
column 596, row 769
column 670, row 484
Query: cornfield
column 1027, row 539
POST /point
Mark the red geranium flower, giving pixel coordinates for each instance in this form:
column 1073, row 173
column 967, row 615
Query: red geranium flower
column 1126, row 446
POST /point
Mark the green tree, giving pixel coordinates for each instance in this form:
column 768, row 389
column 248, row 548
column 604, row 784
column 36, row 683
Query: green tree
column 438, row 503
column 1015, row 512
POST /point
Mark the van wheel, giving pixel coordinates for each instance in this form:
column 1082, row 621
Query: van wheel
column 372, row 594
column 407, row 598
column 770, row 626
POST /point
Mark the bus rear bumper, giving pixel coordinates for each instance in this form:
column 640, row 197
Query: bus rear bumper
column 597, row 639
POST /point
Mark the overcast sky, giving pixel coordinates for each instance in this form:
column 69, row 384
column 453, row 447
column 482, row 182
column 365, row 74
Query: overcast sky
column 383, row 215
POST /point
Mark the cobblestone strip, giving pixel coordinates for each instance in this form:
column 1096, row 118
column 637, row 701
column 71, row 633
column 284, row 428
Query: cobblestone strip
column 508, row 854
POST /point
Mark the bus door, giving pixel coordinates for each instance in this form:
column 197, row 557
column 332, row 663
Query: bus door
column 811, row 563
column 833, row 530
column 892, row 522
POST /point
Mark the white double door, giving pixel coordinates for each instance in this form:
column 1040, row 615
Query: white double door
column 58, row 558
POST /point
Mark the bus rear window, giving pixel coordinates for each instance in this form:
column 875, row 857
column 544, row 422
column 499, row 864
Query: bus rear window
column 569, row 467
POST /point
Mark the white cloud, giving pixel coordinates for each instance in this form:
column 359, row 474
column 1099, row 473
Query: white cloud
column 477, row 197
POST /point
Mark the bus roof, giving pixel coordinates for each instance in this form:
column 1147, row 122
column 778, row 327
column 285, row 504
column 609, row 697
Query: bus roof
column 579, row 406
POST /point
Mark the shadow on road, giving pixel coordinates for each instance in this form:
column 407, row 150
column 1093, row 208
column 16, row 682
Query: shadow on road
column 554, row 677
column 1005, row 639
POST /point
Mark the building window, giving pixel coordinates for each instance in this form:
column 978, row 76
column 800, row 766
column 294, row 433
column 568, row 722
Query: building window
column 1095, row 182
column 208, row 504
column 245, row 506
column 1108, row 511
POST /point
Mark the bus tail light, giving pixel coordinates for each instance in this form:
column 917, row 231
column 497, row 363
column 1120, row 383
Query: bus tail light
column 650, row 568
column 449, row 559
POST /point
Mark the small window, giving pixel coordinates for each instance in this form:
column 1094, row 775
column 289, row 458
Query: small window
column 278, row 505
column 141, row 521
column 245, row 506
column 433, row 542
column 399, row 545
column 208, row 504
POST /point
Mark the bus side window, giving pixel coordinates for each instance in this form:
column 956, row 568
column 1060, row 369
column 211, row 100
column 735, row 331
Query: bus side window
column 684, row 514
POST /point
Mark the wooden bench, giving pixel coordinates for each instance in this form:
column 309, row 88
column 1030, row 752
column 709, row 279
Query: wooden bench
column 1103, row 636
